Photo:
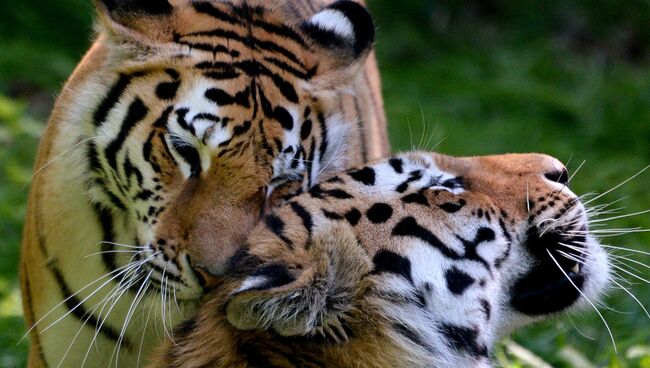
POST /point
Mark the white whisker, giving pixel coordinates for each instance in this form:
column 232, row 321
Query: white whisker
column 617, row 186
column 586, row 298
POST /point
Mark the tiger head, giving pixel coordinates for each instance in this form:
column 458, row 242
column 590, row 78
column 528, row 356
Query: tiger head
column 210, row 109
column 419, row 260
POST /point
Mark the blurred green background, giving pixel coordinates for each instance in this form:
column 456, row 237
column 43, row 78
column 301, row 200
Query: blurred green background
column 565, row 77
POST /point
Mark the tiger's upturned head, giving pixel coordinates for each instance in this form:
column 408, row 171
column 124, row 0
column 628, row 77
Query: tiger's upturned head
column 419, row 260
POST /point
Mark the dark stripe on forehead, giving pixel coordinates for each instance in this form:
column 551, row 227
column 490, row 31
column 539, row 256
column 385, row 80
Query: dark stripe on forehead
column 222, row 98
column 136, row 112
column 247, row 41
column 205, row 7
column 289, row 69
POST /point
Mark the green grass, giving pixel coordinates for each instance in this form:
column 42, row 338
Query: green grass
column 472, row 86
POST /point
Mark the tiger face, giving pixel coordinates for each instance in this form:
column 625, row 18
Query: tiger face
column 419, row 260
column 233, row 101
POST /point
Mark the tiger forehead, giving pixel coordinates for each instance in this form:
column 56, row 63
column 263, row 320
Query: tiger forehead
column 204, row 26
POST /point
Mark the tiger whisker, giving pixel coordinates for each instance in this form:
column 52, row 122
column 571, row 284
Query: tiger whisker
column 113, row 251
column 123, row 245
column 582, row 261
column 162, row 302
column 620, row 268
column 58, row 157
column 81, row 302
column 633, row 297
column 178, row 308
column 579, row 330
column 586, row 298
column 626, row 249
column 63, row 302
column 622, row 216
column 115, row 295
column 617, row 186
column 144, row 332
column 129, row 314
column 169, row 308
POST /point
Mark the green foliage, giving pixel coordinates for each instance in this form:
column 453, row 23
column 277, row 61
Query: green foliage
column 564, row 77
column 18, row 141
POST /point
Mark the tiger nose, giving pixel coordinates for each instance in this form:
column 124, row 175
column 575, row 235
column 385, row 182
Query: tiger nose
column 551, row 168
column 558, row 176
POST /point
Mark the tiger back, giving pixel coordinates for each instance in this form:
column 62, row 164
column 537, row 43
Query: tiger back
column 178, row 129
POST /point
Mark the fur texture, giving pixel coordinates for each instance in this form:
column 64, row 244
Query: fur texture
column 419, row 260
column 181, row 125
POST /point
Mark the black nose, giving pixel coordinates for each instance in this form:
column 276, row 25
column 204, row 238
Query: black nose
column 559, row 176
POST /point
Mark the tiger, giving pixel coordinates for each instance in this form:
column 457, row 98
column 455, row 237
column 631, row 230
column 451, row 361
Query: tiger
column 416, row 260
column 180, row 128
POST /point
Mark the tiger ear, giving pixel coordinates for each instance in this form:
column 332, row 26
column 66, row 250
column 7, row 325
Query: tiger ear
column 315, row 299
column 136, row 20
column 342, row 34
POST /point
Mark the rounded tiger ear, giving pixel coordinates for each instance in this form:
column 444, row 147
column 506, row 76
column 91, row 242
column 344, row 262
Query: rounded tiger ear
column 136, row 19
column 342, row 34
column 314, row 299
column 343, row 26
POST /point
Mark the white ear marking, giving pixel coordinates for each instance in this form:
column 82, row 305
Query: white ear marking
column 334, row 21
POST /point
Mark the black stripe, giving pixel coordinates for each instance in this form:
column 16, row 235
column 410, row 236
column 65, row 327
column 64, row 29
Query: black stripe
column 332, row 215
column 206, row 116
column 310, row 162
column 223, row 98
column 289, row 69
column 305, row 216
column 111, row 98
column 72, row 302
column 108, row 235
column 412, row 336
column 205, row 7
column 29, row 311
column 136, row 112
column 189, row 154
column 281, row 30
column 276, row 225
column 323, row 131
column 247, row 41
column 396, row 164
column 77, row 309
column 147, row 147
column 391, row 262
column 180, row 119
column 409, row 227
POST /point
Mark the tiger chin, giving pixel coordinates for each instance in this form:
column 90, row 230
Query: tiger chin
column 177, row 130
column 418, row 260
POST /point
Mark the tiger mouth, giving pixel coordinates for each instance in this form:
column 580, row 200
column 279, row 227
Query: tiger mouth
column 556, row 280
